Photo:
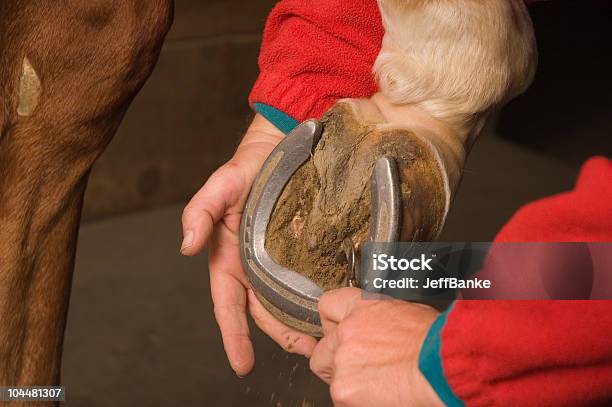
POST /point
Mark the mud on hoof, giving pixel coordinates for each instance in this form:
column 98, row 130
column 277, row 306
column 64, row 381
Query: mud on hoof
column 328, row 198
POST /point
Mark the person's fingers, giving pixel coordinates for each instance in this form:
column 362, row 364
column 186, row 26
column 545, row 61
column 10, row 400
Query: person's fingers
column 230, row 301
column 217, row 198
column 230, row 307
column 230, row 313
column 335, row 305
column 322, row 360
column 289, row 339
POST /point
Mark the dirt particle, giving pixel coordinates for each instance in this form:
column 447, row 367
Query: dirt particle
column 306, row 403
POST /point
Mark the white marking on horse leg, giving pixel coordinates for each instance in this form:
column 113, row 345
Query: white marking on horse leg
column 29, row 89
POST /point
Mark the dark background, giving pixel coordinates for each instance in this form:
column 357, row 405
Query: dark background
column 141, row 329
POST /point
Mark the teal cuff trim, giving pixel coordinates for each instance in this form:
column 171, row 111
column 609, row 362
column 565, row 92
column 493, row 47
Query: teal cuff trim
column 430, row 363
column 280, row 119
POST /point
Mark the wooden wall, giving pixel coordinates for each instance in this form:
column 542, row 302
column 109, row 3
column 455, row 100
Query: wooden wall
column 191, row 114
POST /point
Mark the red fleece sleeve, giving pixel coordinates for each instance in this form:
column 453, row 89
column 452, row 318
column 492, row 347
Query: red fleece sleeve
column 539, row 353
column 315, row 52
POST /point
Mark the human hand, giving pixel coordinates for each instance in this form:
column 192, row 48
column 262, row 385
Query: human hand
column 369, row 354
column 213, row 217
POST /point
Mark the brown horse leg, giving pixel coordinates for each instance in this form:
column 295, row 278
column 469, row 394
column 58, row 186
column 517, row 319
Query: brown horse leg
column 68, row 72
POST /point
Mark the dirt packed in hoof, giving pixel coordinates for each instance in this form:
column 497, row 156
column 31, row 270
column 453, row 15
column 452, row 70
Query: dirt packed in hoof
column 328, row 198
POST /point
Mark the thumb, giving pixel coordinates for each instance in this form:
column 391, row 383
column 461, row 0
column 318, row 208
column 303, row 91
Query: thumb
column 336, row 305
column 219, row 195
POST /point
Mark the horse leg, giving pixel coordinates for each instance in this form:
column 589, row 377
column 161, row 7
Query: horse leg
column 68, row 72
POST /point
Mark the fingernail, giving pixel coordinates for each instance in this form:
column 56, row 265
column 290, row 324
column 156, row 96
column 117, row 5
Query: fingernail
column 187, row 240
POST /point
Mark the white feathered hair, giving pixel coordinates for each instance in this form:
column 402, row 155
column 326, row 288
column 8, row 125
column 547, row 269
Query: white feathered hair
column 456, row 59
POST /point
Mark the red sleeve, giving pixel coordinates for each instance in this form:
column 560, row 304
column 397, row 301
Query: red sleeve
column 539, row 353
column 315, row 52
column 582, row 215
column 529, row 353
